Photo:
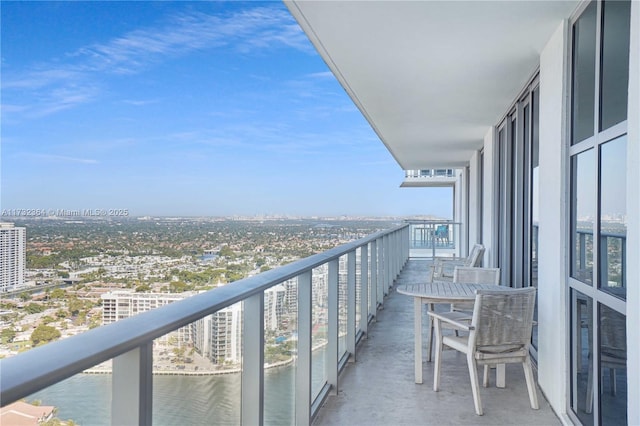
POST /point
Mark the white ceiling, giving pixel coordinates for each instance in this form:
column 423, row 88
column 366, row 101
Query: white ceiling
column 431, row 77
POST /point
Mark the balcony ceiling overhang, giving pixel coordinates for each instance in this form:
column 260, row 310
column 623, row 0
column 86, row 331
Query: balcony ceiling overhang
column 431, row 77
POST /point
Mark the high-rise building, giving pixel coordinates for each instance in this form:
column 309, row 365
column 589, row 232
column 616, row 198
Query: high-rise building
column 13, row 258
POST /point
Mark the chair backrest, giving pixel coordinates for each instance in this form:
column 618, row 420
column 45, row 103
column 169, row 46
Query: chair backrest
column 475, row 257
column 502, row 320
column 469, row 275
column 442, row 231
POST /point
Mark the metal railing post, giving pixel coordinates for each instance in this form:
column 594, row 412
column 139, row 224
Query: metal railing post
column 253, row 360
column 331, row 366
column 351, row 305
column 364, row 289
column 373, row 309
column 381, row 276
column 303, row 367
column 132, row 386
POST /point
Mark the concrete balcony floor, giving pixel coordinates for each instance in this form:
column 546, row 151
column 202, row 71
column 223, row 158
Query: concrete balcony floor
column 379, row 388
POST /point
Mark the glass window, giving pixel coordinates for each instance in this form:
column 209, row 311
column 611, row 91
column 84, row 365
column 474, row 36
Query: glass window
column 583, row 214
column 584, row 74
column 535, row 211
column 613, row 216
column 613, row 367
column 582, row 356
column 615, row 62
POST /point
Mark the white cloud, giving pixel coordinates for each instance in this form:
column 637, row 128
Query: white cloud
column 56, row 158
column 49, row 86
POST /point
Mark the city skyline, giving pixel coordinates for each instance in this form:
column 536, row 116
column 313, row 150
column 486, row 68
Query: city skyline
column 185, row 109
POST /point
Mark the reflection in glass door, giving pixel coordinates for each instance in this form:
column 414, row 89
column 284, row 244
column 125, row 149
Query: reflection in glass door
column 597, row 269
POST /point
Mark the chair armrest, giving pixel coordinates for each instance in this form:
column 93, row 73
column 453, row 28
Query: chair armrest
column 454, row 318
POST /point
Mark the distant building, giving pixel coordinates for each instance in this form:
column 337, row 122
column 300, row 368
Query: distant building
column 13, row 258
column 275, row 307
column 21, row 413
column 218, row 336
column 118, row 305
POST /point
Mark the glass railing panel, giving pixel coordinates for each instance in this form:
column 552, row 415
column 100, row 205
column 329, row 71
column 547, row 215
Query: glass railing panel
column 342, row 306
column 319, row 323
column 358, row 289
column 279, row 357
column 84, row 398
column 198, row 371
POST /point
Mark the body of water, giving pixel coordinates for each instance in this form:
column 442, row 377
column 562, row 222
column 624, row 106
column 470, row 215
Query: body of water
column 181, row 400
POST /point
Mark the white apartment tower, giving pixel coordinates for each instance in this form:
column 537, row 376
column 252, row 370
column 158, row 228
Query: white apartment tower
column 13, row 259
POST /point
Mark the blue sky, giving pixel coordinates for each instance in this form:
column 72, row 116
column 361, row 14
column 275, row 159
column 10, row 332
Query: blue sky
column 185, row 108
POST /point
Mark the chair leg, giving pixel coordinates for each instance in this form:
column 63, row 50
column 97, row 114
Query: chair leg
column 531, row 383
column 485, row 376
column 438, row 361
column 475, row 389
column 431, row 327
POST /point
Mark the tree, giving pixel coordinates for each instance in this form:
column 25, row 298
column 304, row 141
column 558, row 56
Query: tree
column 8, row 334
column 43, row 334
column 142, row 288
column 25, row 296
column 58, row 293
column 227, row 252
column 34, row 308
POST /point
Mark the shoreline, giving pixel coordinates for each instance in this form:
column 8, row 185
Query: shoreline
column 157, row 372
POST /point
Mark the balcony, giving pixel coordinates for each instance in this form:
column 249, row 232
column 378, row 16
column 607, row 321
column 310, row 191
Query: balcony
column 429, row 178
column 360, row 301
column 379, row 388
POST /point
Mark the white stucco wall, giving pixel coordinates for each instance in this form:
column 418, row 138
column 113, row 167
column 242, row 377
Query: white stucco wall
column 552, row 290
column 633, row 224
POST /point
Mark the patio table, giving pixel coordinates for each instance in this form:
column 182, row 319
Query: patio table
column 440, row 292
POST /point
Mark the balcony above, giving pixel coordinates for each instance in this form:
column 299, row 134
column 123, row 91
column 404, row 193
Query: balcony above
column 429, row 178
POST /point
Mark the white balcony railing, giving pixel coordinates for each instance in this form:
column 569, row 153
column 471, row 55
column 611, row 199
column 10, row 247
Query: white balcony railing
column 129, row 342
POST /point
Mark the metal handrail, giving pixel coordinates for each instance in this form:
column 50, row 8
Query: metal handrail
column 43, row 366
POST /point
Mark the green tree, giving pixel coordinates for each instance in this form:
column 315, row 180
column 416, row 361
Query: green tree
column 178, row 287
column 25, row 296
column 43, row 334
column 227, row 252
column 58, row 293
column 8, row 334
column 143, row 288
column 34, row 308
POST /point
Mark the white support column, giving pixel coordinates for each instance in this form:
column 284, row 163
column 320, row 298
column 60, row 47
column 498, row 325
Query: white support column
column 351, row 305
column 253, row 360
column 364, row 289
column 331, row 365
column 132, row 386
column 303, row 367
column 373, row 308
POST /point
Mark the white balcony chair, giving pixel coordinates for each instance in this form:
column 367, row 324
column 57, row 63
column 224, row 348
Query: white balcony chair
column 499, row 333
column 472, row 275
column 442, row 267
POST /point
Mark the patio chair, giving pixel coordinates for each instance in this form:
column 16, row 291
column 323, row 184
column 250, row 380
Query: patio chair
column 499, row 333
column 441, row 234
column 442, row 267
column 472, row 275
